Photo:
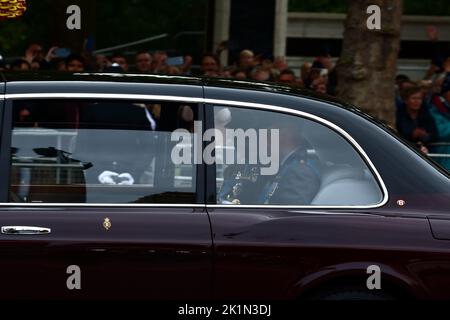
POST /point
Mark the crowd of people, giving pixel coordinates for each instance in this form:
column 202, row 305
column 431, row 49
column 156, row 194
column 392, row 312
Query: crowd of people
column 422, row 108
column 318, row 75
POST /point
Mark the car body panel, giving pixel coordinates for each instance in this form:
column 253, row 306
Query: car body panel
column 416, row 189
column 264, row 252
column 311, row 249
column 151, row 253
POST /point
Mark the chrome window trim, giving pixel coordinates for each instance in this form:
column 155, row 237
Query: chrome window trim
column 115, row 96
column 258, row 106
column 101, row 205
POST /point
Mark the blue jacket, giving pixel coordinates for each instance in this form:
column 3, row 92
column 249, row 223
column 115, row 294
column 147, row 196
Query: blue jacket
column 442, row 120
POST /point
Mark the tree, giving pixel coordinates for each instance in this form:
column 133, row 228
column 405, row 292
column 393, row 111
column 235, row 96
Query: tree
column 368, row 63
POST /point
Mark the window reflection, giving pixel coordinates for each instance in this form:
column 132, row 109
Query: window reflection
column 99, row 152
column 316, row 166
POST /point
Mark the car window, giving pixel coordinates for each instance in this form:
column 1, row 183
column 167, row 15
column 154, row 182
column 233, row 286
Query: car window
column 270, row 158
column 113, row 152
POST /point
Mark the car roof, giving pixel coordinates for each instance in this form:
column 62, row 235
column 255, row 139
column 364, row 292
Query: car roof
column 57, row 76
column 27, row 78
column 14, row 77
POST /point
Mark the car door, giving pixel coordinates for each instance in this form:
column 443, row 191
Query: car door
column 289, row 187
column 94, row 208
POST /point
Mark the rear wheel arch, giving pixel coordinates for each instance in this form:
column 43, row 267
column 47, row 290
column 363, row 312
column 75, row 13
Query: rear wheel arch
column 354, row 275
column 389, row 288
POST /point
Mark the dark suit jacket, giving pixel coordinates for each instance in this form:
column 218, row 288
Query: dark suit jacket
column 298, row 181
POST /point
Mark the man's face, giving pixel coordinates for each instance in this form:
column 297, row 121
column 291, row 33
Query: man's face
column 121, row 62
column 289, row 135
column 100, row 61
column 160, row 58
column 246, row 60
column 261, row 75
column 75, row 66
column 326, row 62
column 144, row 62
column 209, row 64
column 321, row 88
column 36, row 51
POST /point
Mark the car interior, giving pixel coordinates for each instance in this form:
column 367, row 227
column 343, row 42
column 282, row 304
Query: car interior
column 59, row 157
column 345, row 178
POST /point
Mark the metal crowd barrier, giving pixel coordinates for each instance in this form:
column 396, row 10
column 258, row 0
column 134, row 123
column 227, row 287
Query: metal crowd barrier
column 439, row 155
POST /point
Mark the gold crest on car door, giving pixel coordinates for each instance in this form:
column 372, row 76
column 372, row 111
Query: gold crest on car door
column 107, row 224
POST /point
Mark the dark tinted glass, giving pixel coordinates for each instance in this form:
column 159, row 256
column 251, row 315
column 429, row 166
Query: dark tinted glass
column 116, row 152
column 304, row 164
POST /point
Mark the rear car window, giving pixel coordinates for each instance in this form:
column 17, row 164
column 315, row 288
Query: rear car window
column 271, row 158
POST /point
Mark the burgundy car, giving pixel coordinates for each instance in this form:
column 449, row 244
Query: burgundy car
column 90, row 189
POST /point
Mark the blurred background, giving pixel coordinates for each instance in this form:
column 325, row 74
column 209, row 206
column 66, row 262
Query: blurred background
column 399, row 74
column 198, row 26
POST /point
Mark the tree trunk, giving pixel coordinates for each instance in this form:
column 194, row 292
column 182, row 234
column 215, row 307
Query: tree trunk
column 368, row 63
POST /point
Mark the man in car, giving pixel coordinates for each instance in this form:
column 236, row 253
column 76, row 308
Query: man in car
column 298, row 179
column 296, row 183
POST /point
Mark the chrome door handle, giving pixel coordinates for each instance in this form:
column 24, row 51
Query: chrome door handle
column 25, row 230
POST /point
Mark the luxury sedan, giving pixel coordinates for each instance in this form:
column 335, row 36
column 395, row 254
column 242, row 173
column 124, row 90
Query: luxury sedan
column 156, row 187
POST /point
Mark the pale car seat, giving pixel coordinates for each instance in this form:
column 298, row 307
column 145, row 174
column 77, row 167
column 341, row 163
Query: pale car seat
column 345, row 178
column 346, row 186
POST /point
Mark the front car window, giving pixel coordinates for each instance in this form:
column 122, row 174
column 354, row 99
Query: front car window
column 269, row 158
column 114, row 152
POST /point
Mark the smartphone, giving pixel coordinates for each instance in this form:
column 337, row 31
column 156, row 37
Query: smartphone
column 175, row 61
column 62, row 52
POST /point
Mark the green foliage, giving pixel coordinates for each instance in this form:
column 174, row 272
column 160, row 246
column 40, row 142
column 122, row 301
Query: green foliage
column 117, row 22
column 32, row 26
